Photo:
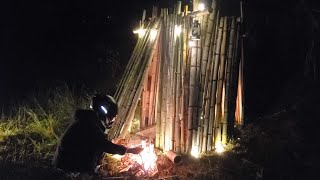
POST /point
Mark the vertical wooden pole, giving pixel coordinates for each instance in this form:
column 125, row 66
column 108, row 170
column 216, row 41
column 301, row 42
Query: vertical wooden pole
column 221, row 76
column 227, row 89
column 212, row 122
column 192, row 93
column 184, row 84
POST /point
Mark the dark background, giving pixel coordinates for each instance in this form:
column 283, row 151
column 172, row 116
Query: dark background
column 42, row 42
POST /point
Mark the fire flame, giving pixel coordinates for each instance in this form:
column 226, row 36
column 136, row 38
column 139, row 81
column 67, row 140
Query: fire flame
column 147, row 159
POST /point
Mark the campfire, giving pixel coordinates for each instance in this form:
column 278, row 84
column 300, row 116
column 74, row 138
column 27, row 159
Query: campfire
column 141, row 165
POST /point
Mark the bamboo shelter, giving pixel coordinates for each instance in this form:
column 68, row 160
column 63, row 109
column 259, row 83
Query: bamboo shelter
column 186, row 76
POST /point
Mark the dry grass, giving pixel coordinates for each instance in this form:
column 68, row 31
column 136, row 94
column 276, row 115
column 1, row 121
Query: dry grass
column 31, row 133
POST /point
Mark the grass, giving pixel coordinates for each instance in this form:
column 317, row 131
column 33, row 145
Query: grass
column 30, row 134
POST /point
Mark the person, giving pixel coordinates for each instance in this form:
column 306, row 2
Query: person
column 84, row 141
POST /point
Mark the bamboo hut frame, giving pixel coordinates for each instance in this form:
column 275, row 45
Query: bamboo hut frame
column 186, row 90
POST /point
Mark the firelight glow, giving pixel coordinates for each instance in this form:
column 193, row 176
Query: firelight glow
column 219, row 147
column 201, row 7
column 153, row 34
column 141, row 32
column 177, row 30
column 195, row 151
column 147, row 158
column 192, row 43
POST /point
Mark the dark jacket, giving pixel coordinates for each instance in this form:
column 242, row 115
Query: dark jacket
column 83, row 143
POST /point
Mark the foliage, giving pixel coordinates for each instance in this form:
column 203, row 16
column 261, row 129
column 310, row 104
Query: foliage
column 31, row 133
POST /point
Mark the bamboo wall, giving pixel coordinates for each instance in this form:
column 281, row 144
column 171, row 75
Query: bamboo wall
column 190, row 88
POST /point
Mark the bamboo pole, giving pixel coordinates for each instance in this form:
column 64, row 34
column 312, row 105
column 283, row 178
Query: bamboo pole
column 129, row 92
column 128, row 68
column 234, row 79
column 144, row 100
column 178, row 51
column 192, row 99
column 130, row 63
column 196, row 119
column 204, row 61
column 184, row 84
column 163, row 72
column 221, row 76
column 208, row 92
column 227, row 89
column 207, row 87
column 128, row 88
column 153, row 85
column 130, row 77
column 170, row 83
column 214, row 86
column 134, row 103
column 159, row 93
column 164, row 104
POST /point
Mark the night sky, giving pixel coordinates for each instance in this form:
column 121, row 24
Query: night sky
column 46, row 41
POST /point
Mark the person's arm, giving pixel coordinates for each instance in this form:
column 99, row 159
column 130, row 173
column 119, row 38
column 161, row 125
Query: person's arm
column 107, row 146
column 110, row 147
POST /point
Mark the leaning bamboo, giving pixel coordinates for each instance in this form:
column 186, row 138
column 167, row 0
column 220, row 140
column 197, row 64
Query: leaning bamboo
column 129, row 66
column 125, row 94
column 130, row 91
column 208, row 92
column 207, row 87
column 227, row 89
column 134, row 103
column 127, row 70
column 130, row 77
column 221, row 75
column 204, row 61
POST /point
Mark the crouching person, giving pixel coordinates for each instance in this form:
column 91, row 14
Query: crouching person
column 84, row 141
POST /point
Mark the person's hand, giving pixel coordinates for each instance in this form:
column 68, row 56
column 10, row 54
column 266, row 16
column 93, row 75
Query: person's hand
column 135, row 150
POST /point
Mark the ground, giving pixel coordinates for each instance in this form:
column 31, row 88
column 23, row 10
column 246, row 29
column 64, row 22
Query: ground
column 278, row 145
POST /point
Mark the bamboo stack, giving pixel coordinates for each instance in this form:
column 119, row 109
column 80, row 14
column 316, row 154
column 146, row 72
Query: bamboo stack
column 188, row 87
